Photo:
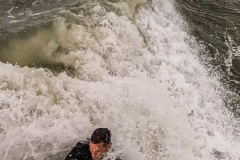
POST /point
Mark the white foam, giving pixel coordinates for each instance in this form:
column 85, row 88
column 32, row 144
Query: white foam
column 140, row 78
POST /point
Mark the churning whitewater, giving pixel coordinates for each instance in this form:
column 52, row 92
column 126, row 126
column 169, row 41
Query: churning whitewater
column 133, row 68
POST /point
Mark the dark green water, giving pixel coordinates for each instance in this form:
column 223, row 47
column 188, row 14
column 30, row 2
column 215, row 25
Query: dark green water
column 26, row 28
column 216, row 25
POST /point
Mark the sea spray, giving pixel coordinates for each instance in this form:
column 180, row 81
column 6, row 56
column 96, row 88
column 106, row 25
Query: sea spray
column 140, row 77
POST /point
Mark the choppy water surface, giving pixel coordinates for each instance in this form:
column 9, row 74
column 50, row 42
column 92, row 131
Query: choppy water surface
column 131, row 66
column 216, row 25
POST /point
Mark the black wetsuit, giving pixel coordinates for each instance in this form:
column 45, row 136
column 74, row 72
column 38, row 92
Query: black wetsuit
column 82, row 152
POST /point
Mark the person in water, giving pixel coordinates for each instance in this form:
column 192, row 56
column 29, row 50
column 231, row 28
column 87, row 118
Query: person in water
column 95, row 149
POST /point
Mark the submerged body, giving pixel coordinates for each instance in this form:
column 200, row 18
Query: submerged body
column 81, row 151
column 96, row 149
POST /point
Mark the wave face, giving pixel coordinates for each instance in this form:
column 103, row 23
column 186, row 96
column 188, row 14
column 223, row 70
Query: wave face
column 215, row 24
column 130, row 66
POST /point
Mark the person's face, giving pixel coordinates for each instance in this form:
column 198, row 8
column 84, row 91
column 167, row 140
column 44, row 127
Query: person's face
column 97, row 150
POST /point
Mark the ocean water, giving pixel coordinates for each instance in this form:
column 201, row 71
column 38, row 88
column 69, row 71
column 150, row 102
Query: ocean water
column 132, row 66
column 215, row 25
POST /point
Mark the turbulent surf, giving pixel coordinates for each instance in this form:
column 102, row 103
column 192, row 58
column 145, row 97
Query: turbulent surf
column 132, row 66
